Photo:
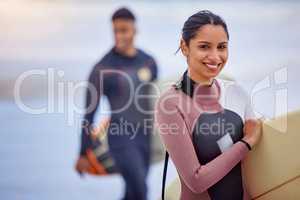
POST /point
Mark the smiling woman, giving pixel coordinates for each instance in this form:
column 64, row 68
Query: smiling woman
column 209, row 160
column 206, row 48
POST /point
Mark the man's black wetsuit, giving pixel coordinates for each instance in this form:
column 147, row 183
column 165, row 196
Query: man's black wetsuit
column 126, row 82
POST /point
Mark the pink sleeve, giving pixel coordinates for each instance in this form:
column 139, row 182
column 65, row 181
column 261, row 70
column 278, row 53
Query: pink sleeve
column 178, row 143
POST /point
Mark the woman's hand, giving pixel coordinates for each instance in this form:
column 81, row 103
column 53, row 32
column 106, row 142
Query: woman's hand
column 252, row 131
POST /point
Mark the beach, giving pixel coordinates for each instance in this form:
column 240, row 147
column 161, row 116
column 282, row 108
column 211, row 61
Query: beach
column 38, row 150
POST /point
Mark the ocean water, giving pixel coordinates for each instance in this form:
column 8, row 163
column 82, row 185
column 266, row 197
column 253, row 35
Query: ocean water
column 38, row 151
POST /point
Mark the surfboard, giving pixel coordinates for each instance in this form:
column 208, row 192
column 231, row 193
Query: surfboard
column 272, row 169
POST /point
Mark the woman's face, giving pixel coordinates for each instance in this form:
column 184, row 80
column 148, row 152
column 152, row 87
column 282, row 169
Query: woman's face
column 206, row 53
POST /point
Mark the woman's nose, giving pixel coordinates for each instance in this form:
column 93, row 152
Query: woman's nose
column 214, row 56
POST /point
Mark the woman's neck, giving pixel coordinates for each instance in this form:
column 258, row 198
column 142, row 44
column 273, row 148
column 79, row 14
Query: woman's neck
column 199, row 79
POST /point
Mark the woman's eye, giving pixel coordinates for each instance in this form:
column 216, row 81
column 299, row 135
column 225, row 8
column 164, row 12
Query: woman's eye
column 203, row 46
column 222, row 47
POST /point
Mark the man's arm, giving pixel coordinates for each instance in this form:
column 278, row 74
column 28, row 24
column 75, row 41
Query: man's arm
column 154, row 69
column 93, row 94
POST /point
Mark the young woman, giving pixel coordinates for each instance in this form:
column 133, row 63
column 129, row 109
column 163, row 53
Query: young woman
column 207, row 125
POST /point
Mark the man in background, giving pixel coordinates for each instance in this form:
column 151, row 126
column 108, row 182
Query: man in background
column 124, row 75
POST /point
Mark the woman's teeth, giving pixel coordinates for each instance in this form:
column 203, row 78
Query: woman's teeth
column 212, row 66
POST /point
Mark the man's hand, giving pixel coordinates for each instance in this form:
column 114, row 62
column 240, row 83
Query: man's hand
column 82, row 165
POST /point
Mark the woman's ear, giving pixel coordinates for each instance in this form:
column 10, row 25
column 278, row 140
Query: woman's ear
column 184, row 48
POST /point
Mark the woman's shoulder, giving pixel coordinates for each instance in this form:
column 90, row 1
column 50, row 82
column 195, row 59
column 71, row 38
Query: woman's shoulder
column 232, row 88
column 170, row 97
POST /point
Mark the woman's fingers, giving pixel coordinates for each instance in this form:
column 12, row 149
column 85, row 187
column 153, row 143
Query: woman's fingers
column 253, row 131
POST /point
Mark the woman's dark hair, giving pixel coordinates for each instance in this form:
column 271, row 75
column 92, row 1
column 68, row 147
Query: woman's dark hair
column 199, row 19
column 123, row 13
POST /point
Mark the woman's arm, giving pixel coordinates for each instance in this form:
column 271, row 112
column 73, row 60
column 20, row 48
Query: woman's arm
column 178, row 143
column 252, row 125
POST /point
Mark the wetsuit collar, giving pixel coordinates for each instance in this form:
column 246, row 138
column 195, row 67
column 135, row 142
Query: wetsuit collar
column 114, row 50
column 206, row 94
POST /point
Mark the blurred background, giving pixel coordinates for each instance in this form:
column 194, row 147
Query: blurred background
column 59, row 41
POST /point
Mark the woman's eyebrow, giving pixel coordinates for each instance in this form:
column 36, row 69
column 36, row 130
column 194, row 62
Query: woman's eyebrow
column 204, row 42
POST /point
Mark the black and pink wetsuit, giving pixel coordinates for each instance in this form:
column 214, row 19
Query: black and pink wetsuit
column 201, row 127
